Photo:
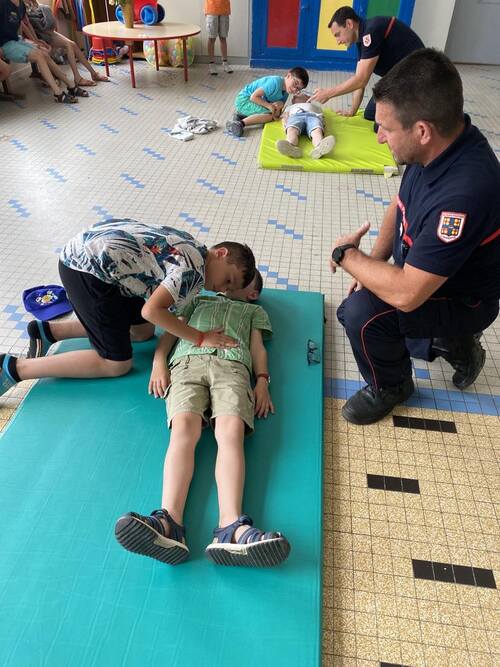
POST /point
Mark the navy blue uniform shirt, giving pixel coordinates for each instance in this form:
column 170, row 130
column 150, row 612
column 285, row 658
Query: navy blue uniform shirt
column 448, row 218
column 388, row 38
column 10, row 19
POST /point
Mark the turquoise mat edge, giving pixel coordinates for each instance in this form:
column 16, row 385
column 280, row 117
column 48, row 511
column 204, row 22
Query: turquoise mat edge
column 318, row 416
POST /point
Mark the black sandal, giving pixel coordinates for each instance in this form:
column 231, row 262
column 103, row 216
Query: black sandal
column 65, row 98
column 255, row 548
column 145, row 535
column 76, row 91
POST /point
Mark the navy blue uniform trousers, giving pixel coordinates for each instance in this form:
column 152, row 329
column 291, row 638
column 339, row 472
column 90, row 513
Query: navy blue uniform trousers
column 383, row 338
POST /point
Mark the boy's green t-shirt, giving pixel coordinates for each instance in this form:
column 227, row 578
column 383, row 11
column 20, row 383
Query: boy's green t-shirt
column 238, row 318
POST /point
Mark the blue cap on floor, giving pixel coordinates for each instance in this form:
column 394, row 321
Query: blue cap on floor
column 46, row 302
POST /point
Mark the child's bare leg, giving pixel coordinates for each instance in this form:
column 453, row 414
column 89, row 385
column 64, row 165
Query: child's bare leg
column 58, row 72
column 290, row 146
column 316, row 136
column 42, row 61
column 292, row 135
column 78, row 364
column 74, row 54
column 179, row 463
column 142, row 332
column 257, row 119
column 4, row 70
column 230, row 468
column 211, row 48
column 223, row 47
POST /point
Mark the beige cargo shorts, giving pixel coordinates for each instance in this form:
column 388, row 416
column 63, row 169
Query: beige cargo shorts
column 210, row 387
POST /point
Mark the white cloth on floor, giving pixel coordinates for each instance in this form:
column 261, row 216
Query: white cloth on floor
column 197, row 125
column 180, row 133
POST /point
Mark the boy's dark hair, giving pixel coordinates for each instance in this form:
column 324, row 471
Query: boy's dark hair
column 342, row 15
column 258, row 282
column 301, row 74
column 424, row 86
column 242, row 256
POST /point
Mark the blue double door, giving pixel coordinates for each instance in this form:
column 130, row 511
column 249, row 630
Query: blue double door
column 295, row 32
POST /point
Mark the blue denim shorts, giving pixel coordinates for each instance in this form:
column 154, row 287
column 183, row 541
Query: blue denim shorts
column 304, row 122
column 17, row 52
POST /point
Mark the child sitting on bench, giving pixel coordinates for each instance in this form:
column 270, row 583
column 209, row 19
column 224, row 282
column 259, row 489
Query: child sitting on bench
column 300, row 117
column 204, row 385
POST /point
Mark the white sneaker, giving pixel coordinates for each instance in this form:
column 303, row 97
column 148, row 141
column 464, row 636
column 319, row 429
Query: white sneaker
column 212, row 69
column 288, row 149
column 323, row 148
column 227, row 67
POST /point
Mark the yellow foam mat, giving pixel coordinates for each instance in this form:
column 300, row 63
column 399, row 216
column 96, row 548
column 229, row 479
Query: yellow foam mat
column 356, row 148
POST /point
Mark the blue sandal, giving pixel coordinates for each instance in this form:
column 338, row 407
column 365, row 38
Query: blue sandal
column 145, row 535
column 255, row 548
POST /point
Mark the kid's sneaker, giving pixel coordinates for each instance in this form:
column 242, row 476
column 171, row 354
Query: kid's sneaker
column 227, row 67
column 235, row 127
column 212, row 69
column 6, row 379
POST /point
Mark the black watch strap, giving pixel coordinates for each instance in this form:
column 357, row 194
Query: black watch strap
column 339, row 252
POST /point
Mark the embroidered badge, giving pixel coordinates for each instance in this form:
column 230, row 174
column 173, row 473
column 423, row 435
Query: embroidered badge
column 367, row 40
column 450, row 226
column 47, row 298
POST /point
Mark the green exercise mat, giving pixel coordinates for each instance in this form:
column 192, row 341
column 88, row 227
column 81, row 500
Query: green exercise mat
column 356, row 148
column 79, row 453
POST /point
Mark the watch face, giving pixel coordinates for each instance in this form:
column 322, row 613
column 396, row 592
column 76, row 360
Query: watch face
column 337, row 255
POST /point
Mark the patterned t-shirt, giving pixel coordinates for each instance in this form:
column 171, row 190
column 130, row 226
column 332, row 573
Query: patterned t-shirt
column 137, row 258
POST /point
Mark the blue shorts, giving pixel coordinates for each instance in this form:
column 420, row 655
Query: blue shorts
column 17, row 52
column 304, row 122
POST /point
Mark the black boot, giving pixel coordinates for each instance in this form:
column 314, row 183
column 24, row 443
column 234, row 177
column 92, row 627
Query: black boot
column 369, row 405
column 465, row 354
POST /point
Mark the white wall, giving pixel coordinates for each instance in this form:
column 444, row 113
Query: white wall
column 474, row 32
column 191, row 11
column 431, row 21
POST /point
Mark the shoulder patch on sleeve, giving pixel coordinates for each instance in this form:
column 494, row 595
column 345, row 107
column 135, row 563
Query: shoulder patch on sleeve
column 367, row 40
column 450, row 226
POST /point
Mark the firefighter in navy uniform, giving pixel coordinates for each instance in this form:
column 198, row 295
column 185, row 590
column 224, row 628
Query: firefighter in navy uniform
column 443, row 233
column 382, row 42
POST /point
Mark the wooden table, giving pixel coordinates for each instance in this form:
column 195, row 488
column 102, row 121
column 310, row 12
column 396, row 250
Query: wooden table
column 117, row 31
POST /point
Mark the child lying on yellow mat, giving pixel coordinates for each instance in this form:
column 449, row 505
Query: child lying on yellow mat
column 300, row 117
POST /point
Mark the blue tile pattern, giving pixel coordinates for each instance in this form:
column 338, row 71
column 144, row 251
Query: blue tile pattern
column 370, row 195
column 48, row 124
column 154, row 154
column 108, row 128
column 19, row 208
column 19, row 144
column 285, row 230
column 194, row 222
column 225, row 159
column 289, row 191
column 425, row 397
column 280, row 280
column 133, row 181
column 129, row 111
column 210, row 186
column 197, row 99
column 145, row 97
column 85, row 149
column 56, row 174
column 105, row 215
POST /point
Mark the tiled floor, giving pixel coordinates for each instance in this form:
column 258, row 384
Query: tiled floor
column 64, row 168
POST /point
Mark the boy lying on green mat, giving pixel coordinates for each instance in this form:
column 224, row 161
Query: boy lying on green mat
column 205, row 385
column 303, row 117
